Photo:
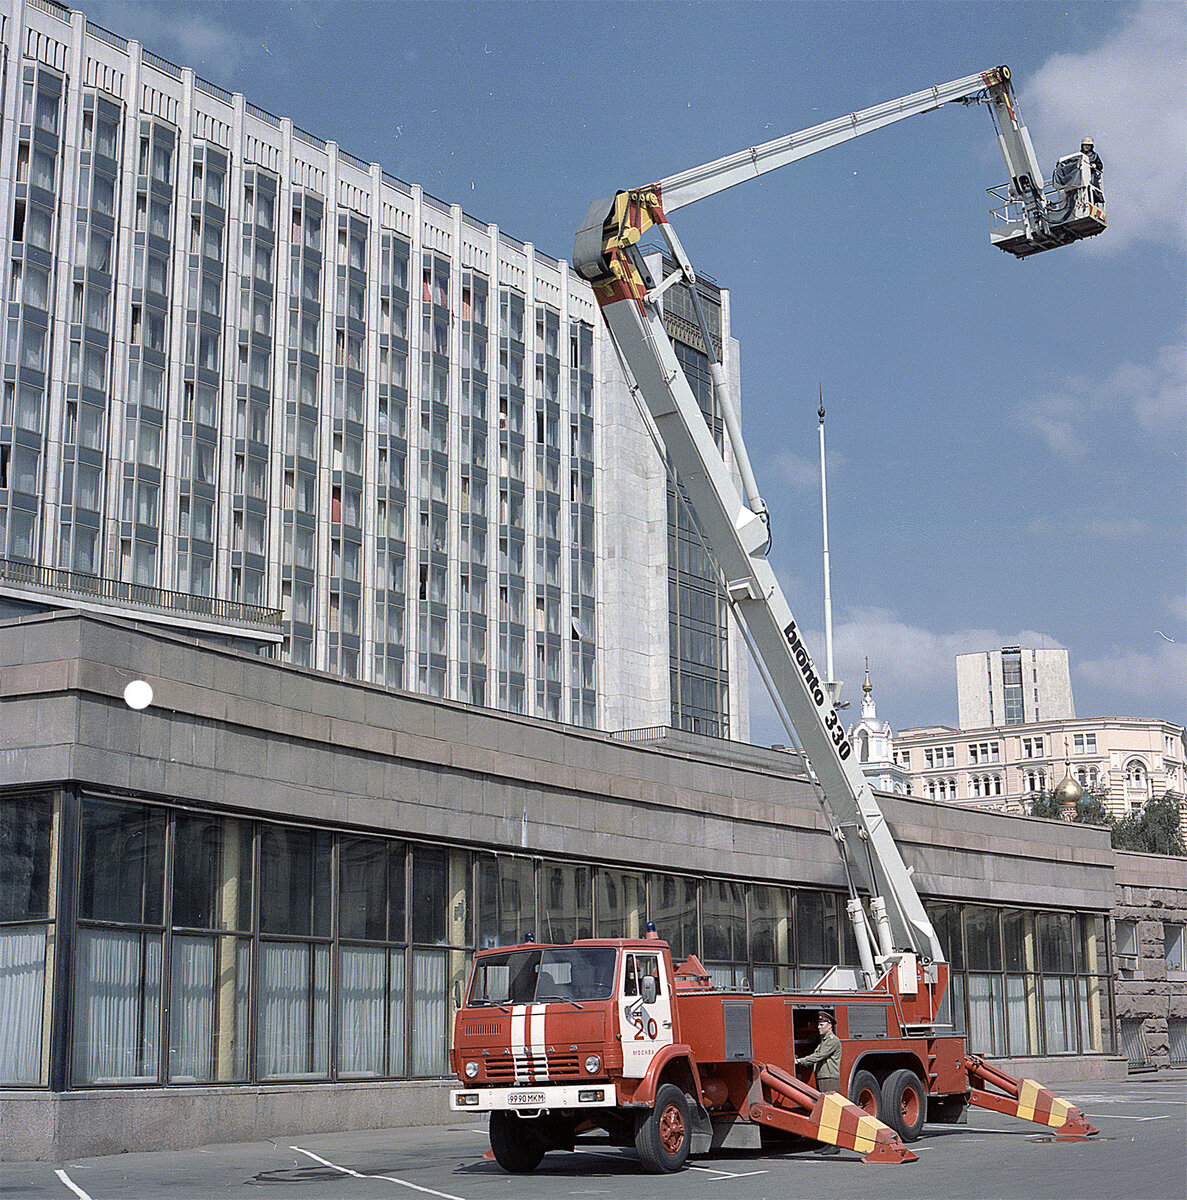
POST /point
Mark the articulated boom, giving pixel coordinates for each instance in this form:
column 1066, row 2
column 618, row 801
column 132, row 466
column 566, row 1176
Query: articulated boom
column 896, row 933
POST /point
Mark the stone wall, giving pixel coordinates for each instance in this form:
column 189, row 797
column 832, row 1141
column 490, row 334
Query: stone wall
column 1152, row 891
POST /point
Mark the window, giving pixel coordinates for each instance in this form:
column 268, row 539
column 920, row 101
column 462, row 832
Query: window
column 1032, row 747
column 1084, row 743
column 25, row 927
column 1173, row 941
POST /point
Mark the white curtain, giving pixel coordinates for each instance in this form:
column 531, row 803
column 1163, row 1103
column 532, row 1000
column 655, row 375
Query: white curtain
column 397, row 1008
column 117, row 1006
column 1017, row 1017
column 428, row 1012
column 22, row 992
column 192, row 1010
column 1053, row 1016
column 294, row 1010
column 361, row 989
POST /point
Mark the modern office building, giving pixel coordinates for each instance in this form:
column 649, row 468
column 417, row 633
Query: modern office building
column 1013, row 686
column 259, row 389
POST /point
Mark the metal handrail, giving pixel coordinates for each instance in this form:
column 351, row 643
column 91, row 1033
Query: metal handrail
column 81, row 583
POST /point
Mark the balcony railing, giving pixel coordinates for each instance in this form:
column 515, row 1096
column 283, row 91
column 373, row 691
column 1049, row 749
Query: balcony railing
column 138, row 595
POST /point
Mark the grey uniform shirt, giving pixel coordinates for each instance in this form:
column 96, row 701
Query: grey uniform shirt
column 826, row 1058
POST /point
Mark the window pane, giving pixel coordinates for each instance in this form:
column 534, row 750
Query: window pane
column 440, row 896
column 371, row 889
column 507, row 902
column 208, row 1013
column 293, row 1026
column 22, row 970
column 565, row 902
column 723, row 908
column 428, row 1012
column 770, row 921
column 620, row 904
column 122, row 862
column 362, row 992
column 117, row 1004
column 674, row 911
column 295, row 881
column 982, row 939
column 24, row 858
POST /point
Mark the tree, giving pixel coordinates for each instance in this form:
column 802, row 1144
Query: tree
column 1090, row 808
column 1153, row 829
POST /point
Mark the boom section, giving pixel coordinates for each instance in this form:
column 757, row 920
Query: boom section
column 687, row 187
column 738, row 538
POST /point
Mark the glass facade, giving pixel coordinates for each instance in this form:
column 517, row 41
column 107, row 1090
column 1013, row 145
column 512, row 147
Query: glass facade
column 224, row 395
column 288, row 952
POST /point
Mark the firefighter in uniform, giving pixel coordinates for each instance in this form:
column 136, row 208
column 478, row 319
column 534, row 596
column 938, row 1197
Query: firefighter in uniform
column 826, row 1059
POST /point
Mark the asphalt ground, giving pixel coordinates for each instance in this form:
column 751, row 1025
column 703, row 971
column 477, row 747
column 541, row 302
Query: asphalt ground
column 1140, row 1153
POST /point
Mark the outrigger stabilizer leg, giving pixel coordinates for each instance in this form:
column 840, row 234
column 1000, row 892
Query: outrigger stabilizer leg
column 1028, row 1100
column 795, row 1107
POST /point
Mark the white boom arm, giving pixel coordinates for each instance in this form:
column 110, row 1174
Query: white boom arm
column 735, row 523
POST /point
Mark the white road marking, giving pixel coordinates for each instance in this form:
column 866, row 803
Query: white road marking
column 72, row 1185
column 728, row 1174
column 1120, row 1117
column 325, row 1162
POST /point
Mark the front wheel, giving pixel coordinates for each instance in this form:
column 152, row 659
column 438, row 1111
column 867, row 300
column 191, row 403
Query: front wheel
column 665, row 1136
column 904, row 1104
column 516, row 1149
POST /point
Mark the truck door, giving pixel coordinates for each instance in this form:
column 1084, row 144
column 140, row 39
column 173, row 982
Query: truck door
column 646, row 1024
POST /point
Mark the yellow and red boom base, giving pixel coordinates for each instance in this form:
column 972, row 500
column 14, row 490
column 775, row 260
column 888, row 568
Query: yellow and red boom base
column 1027, row 1100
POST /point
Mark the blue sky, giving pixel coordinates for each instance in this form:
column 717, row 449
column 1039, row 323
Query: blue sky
column 1007, row 439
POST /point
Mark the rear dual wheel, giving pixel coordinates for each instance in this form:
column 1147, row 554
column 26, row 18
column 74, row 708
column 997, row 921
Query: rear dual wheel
column 900, row 1101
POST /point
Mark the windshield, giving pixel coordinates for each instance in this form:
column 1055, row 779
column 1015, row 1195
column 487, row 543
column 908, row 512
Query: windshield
column 537, row 976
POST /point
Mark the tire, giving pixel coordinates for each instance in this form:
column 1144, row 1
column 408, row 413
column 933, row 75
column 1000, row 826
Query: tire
column 866, row 1092
column 515, row 1147
column 665, row 1136
column 904, row 1104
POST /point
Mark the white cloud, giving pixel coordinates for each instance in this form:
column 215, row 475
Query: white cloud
column 180, row 34
column 1128, row 93
column 913, row 669
column 1143, row 674
column 1154, row 393
column 799, row 472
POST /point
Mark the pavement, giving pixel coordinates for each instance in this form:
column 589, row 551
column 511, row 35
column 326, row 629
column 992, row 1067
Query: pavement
column 1139, row 1154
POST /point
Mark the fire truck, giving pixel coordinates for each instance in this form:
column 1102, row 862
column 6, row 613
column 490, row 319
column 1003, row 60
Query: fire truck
column 554, row 1041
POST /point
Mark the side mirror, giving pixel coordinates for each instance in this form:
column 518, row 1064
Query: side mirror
column 649, row 989
column 457, row 994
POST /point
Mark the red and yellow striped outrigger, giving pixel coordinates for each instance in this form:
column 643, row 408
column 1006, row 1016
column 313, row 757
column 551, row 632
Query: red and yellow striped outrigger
column 1028, row 1100
column 795, row 1107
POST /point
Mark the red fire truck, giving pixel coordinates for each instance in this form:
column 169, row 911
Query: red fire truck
column 555, row 1041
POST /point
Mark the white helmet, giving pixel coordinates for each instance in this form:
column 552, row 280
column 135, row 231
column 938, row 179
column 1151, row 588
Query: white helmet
column 1086, row 144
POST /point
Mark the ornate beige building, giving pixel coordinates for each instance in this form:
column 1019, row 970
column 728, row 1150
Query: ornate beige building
column 1003, row 754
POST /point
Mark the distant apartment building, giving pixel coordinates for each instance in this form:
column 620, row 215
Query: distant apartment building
column 259, row 389
column 1029, row 737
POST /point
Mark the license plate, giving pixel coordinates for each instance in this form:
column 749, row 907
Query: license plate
column 526, row 1098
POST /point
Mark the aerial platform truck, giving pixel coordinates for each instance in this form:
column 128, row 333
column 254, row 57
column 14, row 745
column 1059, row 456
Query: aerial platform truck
column 611, row 1034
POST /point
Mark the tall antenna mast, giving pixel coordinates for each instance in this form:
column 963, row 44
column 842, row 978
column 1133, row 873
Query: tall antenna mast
column 833, row 685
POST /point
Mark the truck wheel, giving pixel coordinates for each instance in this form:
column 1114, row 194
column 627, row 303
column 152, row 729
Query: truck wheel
column 516, row 1149
column 664, row 1138
column 866, row 1093
column 904, row 1104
